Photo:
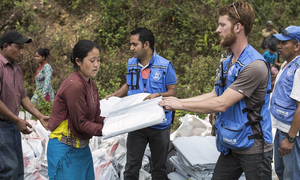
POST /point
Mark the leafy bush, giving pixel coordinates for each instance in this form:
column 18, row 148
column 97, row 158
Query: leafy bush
column 184, row 32
column 42, row 105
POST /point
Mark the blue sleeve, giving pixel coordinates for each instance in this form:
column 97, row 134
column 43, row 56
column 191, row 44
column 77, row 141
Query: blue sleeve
column 170, row 75
column 265, row 54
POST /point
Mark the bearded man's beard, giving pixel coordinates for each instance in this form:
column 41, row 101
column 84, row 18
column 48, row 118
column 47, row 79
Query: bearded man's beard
column 229, row 40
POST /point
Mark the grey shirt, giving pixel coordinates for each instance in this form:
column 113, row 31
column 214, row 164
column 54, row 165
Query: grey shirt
column 252, row 83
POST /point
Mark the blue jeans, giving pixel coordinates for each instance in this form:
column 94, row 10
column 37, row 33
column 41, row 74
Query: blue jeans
column 255, row 166
column 288, row 166
column 11, row 155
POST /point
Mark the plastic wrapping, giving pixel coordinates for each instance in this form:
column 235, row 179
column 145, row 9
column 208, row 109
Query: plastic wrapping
column 130, row 113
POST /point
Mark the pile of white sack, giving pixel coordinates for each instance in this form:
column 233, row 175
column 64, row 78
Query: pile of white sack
column 195, row 150
column 109, row 156
column 194, row 153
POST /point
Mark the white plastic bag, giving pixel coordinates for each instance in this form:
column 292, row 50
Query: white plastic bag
column 132, row 113
column 192, row 125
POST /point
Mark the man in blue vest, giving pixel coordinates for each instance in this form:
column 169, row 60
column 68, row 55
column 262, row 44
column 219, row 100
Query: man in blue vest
column 147, row 72
column 285, row 107
column 241, row 98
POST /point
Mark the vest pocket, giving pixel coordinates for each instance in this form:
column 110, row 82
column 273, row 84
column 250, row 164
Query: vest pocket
column 232, row 73
column 156, row 80
column 282, row 110
column 221, row 148
column 236, row 138
column 132, row 78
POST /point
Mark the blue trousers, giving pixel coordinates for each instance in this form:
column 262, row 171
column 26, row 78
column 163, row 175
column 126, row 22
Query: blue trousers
column 137, row 141
column 255, row 166
column 11, row 155
column 288, row 166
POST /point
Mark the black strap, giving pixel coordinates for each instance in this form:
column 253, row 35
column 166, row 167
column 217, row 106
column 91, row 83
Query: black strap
column 255, row 136
column 259, row 104
column 254, row 122
column 297, row 65
column 220, row 76
column 173, row 116
column 259, row 135
column 134, row 72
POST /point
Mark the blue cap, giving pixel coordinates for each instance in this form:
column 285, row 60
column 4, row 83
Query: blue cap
column 291, row 32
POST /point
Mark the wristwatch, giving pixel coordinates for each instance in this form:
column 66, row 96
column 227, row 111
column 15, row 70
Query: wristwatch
column 290, row 139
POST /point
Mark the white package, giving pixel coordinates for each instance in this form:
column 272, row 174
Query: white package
column 130, row 113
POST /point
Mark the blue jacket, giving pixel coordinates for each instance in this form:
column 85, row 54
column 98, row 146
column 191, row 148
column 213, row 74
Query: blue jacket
column 233, row 128
column 283, row 107
column 156, row 81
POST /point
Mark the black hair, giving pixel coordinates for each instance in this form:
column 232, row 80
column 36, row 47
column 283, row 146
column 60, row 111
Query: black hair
column 272, row 44
column 144, row 35
column 44, row 52
column 81, row 50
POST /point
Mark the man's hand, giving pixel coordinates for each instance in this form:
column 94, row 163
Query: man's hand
column 44, row 120
column 151, row 96
column 171, row 103
column 285, row 147
column 22, row 126
column 108, row 96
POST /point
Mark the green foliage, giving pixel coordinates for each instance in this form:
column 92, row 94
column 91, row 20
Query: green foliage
column 42, row 105
column 112, row 72
column 184, row 32
column 198, row 77
column 6, row 4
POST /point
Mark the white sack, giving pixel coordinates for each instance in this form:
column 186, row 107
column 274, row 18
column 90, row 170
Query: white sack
column 34, row 147
column 198, row 150
column 131, row 113
column 192, row 125
column 176, row 176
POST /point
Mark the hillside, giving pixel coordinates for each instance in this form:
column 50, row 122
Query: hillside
column 184, row 30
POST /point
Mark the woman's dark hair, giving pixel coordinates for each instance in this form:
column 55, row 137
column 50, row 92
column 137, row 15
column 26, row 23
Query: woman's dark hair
column 81, row 50
column 44, row 52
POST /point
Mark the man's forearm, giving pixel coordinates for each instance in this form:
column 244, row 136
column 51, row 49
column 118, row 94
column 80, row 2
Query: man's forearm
column 171, row 91
column 29, row 106
column 122, row 91
column 202, row 97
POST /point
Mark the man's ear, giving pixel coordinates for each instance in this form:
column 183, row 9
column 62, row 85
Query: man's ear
column 147, row 44
column 238, row 27
column 5, row 45
column 297, row 47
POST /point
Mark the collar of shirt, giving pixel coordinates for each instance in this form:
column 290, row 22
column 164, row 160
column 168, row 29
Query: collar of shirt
column 3, row 59
column 149, row 64
column 285, row 63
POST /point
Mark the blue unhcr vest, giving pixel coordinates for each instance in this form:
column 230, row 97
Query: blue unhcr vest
column 233, row 127
column 283, row 107
column 156, row 81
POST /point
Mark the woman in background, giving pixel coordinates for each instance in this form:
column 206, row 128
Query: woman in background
column 75, row 117
column 43, row 76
